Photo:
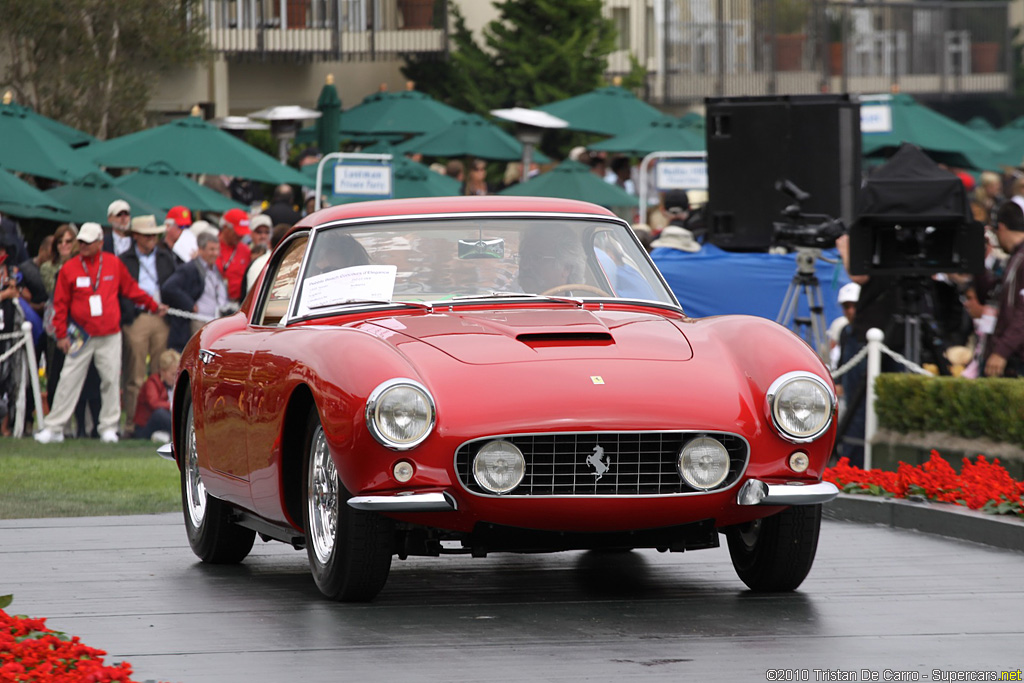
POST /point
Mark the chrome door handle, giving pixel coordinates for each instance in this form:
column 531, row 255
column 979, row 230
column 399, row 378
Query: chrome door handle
column 206, row 356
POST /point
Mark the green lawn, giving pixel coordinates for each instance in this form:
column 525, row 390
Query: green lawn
column 84, row 477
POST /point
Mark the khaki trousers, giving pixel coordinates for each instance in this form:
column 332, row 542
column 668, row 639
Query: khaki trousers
column 106, row 352
column 145, row 338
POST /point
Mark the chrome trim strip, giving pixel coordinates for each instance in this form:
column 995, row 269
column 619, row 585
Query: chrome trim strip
column 405, row 502
column 800, row 494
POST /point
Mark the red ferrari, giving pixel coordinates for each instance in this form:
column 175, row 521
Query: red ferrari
column 493, row 374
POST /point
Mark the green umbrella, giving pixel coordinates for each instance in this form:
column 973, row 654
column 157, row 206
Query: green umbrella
column 664, row 135
column 408, row 111
column 469, row 135
column 329, row 104
column 191, row 145
column 163, row 187
column 408, row 179
column 87, row 199
column 18, row 198
column 72, row 137
column 900, row 118
column 31, row 147
column 609, row 111
column 573, row 180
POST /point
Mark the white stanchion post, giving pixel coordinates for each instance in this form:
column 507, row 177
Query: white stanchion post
column 875, row 338
column 33, row 373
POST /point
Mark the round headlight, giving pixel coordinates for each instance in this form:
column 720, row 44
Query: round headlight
column 801, row 406
column 704, row 463
column 400, row 413
column 499, row 467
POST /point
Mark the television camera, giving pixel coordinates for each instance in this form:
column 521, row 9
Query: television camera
column 809, row 230
column 808, row 234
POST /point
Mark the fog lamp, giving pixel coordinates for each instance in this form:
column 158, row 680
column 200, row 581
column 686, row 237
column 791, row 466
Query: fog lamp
column 704, row 463
column 499, row 467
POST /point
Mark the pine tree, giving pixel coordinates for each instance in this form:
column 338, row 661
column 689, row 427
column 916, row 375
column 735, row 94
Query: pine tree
column 537, row 51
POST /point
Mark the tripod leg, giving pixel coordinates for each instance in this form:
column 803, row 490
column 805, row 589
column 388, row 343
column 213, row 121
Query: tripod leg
column 788, row 309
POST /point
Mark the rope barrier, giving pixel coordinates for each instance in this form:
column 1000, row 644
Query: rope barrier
column 11, row 351
column 189, row 315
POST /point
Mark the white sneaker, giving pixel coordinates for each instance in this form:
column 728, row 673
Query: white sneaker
column 160, row 437
column 47, row 435
column 108, row 436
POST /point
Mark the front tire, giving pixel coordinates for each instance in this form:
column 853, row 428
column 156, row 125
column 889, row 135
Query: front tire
column 213, row 537
column 775, row 554
column 349, row 550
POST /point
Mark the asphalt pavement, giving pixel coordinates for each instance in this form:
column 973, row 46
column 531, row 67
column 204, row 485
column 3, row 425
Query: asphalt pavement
column 879, row 601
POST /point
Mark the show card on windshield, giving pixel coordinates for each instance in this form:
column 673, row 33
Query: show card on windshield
column 355, row 283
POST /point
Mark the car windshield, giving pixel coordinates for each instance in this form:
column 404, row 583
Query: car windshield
column 452, row 259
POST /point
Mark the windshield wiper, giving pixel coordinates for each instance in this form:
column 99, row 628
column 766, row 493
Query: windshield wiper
column 520, row 295
column 384, row 302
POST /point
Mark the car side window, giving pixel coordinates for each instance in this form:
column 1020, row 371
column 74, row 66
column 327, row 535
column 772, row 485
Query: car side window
column 282, row 281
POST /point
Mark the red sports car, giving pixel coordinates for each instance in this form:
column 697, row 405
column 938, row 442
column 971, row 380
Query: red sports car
column 493, row 374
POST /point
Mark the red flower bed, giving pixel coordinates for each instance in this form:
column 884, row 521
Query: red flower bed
column 32, row 653
column 983, row 485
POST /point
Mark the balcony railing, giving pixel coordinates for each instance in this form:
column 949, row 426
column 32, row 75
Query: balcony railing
column 698, row 48
column 326, row 29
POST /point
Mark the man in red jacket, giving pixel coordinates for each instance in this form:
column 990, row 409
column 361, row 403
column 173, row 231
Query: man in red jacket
column 87, row 322
column 234, row 252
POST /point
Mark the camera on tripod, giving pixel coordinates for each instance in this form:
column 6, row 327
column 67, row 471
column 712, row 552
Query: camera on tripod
column 807, row 230
column 913, row 219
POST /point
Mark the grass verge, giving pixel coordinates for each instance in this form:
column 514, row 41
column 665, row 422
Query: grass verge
column 84, row 478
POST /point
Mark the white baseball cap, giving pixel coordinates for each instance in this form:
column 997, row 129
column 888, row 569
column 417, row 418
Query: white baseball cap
column 90, row 232
column 117, row 206
column 849, row 293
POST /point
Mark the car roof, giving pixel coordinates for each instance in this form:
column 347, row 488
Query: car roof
column 447, row 205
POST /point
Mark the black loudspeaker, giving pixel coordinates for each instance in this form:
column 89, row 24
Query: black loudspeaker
column 753, row 143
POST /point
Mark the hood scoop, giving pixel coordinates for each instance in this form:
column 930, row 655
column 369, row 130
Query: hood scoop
column 539, row 339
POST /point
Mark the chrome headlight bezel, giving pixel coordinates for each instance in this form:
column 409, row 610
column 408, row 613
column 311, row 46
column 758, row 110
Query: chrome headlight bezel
column 776, row 396
column 378, row 400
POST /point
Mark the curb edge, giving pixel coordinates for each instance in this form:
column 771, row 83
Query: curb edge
column 951, row 521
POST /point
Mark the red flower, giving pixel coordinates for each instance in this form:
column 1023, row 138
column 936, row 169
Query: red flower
column 31, row 653
column 983, row 485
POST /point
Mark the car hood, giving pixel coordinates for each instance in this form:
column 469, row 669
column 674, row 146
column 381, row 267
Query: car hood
column 521, row 335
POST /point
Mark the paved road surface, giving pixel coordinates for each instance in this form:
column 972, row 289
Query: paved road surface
column 877, row 599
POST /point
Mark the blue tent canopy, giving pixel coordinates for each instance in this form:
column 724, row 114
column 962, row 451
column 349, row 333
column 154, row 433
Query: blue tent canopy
column 716, row 282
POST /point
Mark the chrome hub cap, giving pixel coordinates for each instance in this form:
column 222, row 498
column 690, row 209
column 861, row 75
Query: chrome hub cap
column 195, row 491
column 322, row 499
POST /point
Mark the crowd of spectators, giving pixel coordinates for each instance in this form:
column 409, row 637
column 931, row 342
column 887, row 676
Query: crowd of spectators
column 98, row 298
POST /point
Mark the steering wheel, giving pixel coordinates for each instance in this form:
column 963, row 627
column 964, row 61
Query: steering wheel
column 579, row 287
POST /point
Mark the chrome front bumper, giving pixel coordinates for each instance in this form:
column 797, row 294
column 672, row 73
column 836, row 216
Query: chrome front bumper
column 405, row 502
column 757, row 492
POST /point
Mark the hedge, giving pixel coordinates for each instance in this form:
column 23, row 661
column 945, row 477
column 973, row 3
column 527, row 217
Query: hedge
column 970, row 408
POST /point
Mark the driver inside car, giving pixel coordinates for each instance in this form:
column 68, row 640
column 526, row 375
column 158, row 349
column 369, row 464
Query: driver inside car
column 337, row 250
column 550, row 260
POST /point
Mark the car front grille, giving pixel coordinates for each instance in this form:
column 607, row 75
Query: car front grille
column 602, row 463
